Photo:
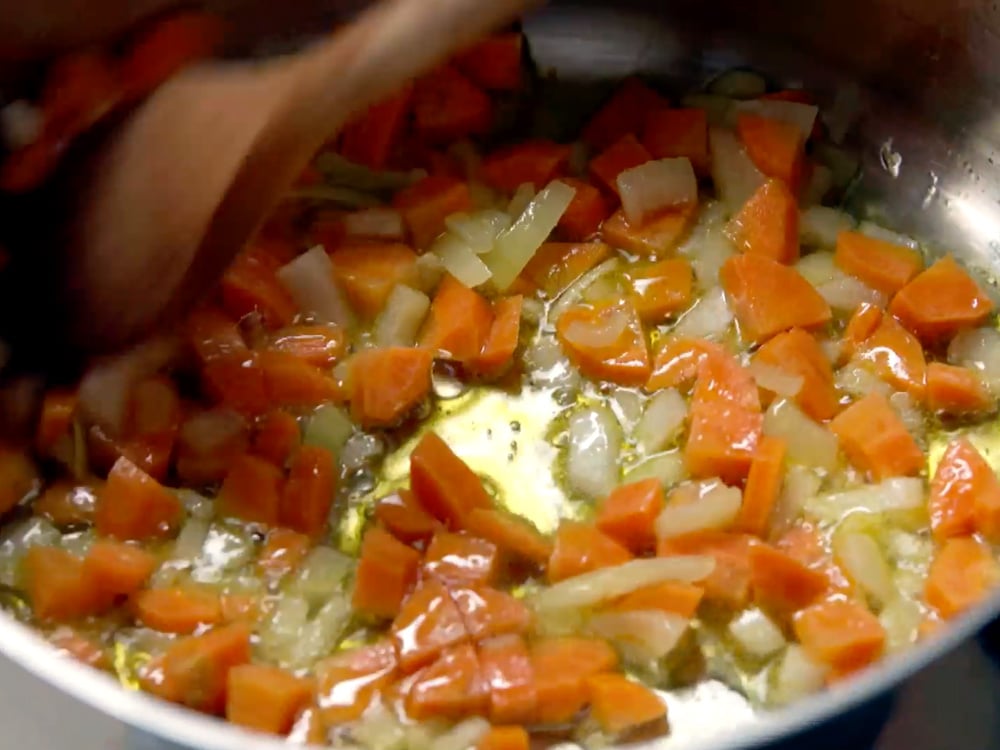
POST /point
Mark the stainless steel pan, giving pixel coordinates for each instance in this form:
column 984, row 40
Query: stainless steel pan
column 926, row 91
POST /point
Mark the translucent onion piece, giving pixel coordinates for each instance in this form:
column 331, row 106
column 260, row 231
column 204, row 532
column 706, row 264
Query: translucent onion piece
column 379, row 729
column 460, row 261
column 329, row 427
column 979, row 350
column 797, row 676
column 309, row 279
column 668, row 467
column 896, row 494
column 871, row 229
column 381, row 223
column 662, row 421
column 547, row 364
column 574, row 292
column 809, row 443
column 820, row 225
column 738, row 84
column 462, row 736
column 709, row 318
column 520, row 200
column 802, row 116
column 775, row 379
column 845, row 293
column 590, row 589
column 429, row 272
column 479, row 230
column 606, row 333
column 592, row 461
column 858, row 381
column 318, row 638
column 190, row 541
column 800, row 485
column 863, row 562
column 656, row 185
column 323, row 574
column 717, row 509
column 642, row 636
column 400, row 319
column 818, row 268
column 901, row 618
column 756, row 634
column 734, row 174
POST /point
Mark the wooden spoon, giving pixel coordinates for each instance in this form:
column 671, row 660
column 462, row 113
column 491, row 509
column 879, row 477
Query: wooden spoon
column 185, row 180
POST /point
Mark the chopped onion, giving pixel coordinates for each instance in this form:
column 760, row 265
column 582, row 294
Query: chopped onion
column 656, row 185
column 735, row 176
column 319, row 636
column 360, row 450
column 738, row 84
column 979, row 350
column 329, row 427
column 226, row 549
column 400, row 319
column 709, row 318
column 797, row 676
column 878, row 232
column 802, row 116
column 283, row 627
column 863, row 562
column 20, row 124
column 590, row 589
column 668, row 467
column 479, row 230
column 775, row 379
column 196, row 505
column 322, row 575
column 516, row 246
column 190, row 541
column 606, row 289
column 309, row 279
column 820, row 225
column 627, row 406
column 756, row 634
column 429, row 272
column 380, row 223
column 642, row 636
column 909, row 414
column 379, row 729
column 606, row 333
column 708, row 249
column 809, row 443
column 800, row 485
column 845, row 293
column 662, row 421
column 522, row 197
column 901, row 618
column 592, row 460
column 547, row 364
column 460, row 261
column 895, row 494
column 818, row 268
column 715, row 510
column 464, row 735
column 857, row 380
column 574, row 292
column 718, row 108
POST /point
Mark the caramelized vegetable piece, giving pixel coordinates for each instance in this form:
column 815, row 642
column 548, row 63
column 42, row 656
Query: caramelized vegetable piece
column 251, row 491
column 447, row 106
column 283, row 552
column 768, row 223
column 580, row 548
column 427, row 203
column 265, row 698
column 729, row 582
column 842, row 634
column 177, row 610
column 505, row 738
column 536, row 163
column 387, row 384
column 512, row 535
column 66, row 504
column 671, row 597
column 507, row 670
column 133, row 505
column 776, row 147
column 370, row 138
column 320, row 345
column 428, row 623
column 443, row 484
column 293, row 382
column 118, row 569
column 498, row 349
column 606, row 342
column 586, row 212
column 875, row 439
column 387, row 570
column 940, row 302
column 961, row 575
column 672, row 133
column 763, row 485
column 881, row 265
column 562, row 666
column 452, row 687
column 276, row 437
column 368, row 271
column 620, row 705
column 956, row 390
column 458, row 323
column 349, row 681
column 782, row 583
column 461, row 560
column 623, row 113
column 58, row 586
column 558, row 264
column 629, row 513
column 308, row 493
column 964, row 495
column 662, row 289
column 495, row 62
column 676, row 362
column 402, row 515
column 488, row 613
column 657, row 235
column 250, row 285
column 798, row 353
column 768, row 297
column 897, row 357
column 623, row 154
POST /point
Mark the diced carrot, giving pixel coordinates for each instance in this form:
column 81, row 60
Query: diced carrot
column 427, row 203
column 768, row 223
column 368, row 271
column 403, row 517
column 371, row 137
column 494, row 62
column 676, row 362
column 842, row 634
column 461, row 560
column 447, row 107
column 193, row 671
column 623, row 113
column 768, row 297
column 319, row 345
column 18, row 477
column 488, row 613
column 507, row 671
column 391, row 382
column 763, row 485
column 117, row 568
column 443, row 483
column 214, row 335
column 658, row 235
column 458, row 323
column 875, row 439
column 580, row 548
column 556, row 265
column 629, row 513
column 882, row 265
column 251, row 491
column 83, row 648
column 66, row 504
column 501, row 341
column 513, row 535
column 265, row 698
column 606, row 341
column 290, row 381
column 349, row 681
column 803, row 542
column 505, row 738
column 897, row 357
column 864, row 321
column 452, row 687
column 941, row 301
column 798, row 353
column 585, row 213
column 387, row 570
column 673, row 133
column 207, row 443
column 55, row 421
column 250, row 284
column 283, row 552
column 152, row 423
column 729, row 583
column 428, row 623
column 964, row 494
column 80, row 88
column 956, row 390
column 662, row 289
column 619, row 705
column 562, row 666
column 776, row 147
column 536, row 162
column 782, row 583
column 58, row 585
column 276, row 437
column 167, row 46
column 623, row 154
column 133, row 505
column 962, row 574
column 237, row 382
column 308, row 494
column 672, row 597
column 177, row 610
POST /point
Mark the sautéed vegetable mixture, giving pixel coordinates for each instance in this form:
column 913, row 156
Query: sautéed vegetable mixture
column 490, row 437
